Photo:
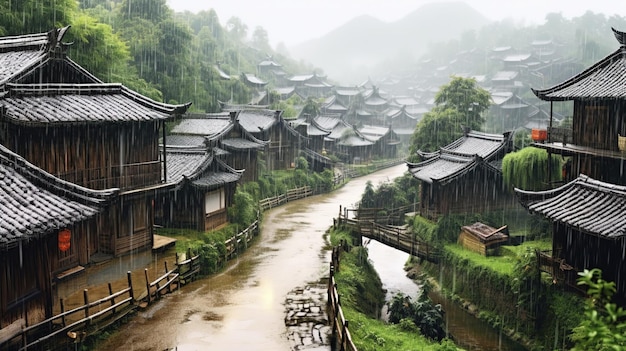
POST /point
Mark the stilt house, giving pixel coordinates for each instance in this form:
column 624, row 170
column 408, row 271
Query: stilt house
column 464, row 176
column 64, row 120
column 46, row 230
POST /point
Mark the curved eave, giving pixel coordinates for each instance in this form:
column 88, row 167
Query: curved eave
column 552, row 94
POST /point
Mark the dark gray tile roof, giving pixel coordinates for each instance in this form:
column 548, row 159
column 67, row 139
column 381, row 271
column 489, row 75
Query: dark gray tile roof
column 34, row 203
column 220, row 175
column 460, row 157
column 606, row 79
column 185, row 140
column 81, row 103
column 241, row 144
column 210, row 126
column 13, row 62
column 185, row 163
column 586, row 204
column 216, row 179
column 256, row 120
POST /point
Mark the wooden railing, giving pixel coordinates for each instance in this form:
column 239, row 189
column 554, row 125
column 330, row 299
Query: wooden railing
column 398, row 237
column 290, row 195
column 80, row 321
column 240, row 239
column 167, row 282
column 340, row 335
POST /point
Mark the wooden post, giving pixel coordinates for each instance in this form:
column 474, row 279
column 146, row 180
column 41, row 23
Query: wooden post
column 86, row 298
column 112, row 298
column 147, row 284
column 62, row 310
column 130, row 285
column 169, row 286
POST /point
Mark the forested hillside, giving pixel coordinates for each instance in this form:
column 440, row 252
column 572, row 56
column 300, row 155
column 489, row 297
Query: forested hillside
column 171, row 56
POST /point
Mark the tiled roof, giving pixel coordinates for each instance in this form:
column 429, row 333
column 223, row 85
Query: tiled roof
column 606, row 80
column 34, row 203
column 459, row 157
column 185, row 163
column 44, row 104
column 208, row 126
column 241, row 144
column 185, row 140
column 20, row 53
column 478, row 143
column 220, row 175
column 256, row 120
column 586, row 204
column 251, row 78
column 327, row 121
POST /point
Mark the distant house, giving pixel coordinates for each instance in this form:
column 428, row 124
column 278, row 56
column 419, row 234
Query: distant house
column 598, row 121
column 46, row 230
column 588, row 229
column 464, row 176
column 315, row 150
column 98, row 135
column 284, row 141
column 385, row 140
column 311, row 85
column 203, row 191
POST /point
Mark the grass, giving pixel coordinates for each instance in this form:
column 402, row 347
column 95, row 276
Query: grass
column 360, row 288
column 502, row 264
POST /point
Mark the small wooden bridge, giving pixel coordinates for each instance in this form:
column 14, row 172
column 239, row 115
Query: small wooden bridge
column 386, row 230
column 368, row 223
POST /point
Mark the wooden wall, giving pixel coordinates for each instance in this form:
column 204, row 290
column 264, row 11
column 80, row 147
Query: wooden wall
column 124, row 155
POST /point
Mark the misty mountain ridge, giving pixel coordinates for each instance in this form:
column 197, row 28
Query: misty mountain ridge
column 348, row 53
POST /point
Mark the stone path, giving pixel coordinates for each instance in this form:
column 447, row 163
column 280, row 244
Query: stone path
column 306, row 319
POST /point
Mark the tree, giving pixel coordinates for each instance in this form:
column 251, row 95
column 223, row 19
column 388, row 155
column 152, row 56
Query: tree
column 465, row 96
column 459, row 104
column 527, row 169
column 35, row 16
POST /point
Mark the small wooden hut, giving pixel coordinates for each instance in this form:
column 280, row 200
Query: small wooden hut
column 482, row 238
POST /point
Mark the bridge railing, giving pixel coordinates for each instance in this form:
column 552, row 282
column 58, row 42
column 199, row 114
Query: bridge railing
column 399, row 237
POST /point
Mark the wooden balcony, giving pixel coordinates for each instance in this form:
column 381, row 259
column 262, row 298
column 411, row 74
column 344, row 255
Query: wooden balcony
column 125, row 177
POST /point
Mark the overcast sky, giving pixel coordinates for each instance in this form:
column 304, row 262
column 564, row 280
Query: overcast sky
column 295, row 21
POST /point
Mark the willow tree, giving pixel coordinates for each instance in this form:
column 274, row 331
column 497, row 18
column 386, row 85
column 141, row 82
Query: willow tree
column 530, row 169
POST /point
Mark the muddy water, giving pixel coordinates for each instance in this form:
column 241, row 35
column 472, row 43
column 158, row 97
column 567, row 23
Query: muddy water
column 242, row 308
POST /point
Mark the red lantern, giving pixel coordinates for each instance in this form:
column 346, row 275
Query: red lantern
column 65, row 238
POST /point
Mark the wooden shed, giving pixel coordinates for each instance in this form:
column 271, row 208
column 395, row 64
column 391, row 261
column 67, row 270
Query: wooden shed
column 482, row 238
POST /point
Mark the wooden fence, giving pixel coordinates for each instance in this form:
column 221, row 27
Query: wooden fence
column 80, row 321
column 340, row 335
column 241, row 240
column 290, row 195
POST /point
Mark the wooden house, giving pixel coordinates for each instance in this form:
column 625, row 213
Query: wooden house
column 403, row 124
column 349, row 144
column 204, row 190
column 483, row 239
column 598, row 119
column 588, row 229
column 45, row 234
column 223, row 135
column 385, row 140
column 97, row 135
column 464, row 176
column 509, row 111
column 311, row 85
column 284, row 142
column 332, row 105
column 315, row 151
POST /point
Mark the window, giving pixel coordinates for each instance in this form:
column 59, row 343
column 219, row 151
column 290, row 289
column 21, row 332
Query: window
column 214, row 201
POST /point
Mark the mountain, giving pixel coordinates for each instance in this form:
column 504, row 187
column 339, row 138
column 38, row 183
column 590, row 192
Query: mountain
column 348, row 53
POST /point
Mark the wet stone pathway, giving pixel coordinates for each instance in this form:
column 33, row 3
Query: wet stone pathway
column 306, row 319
